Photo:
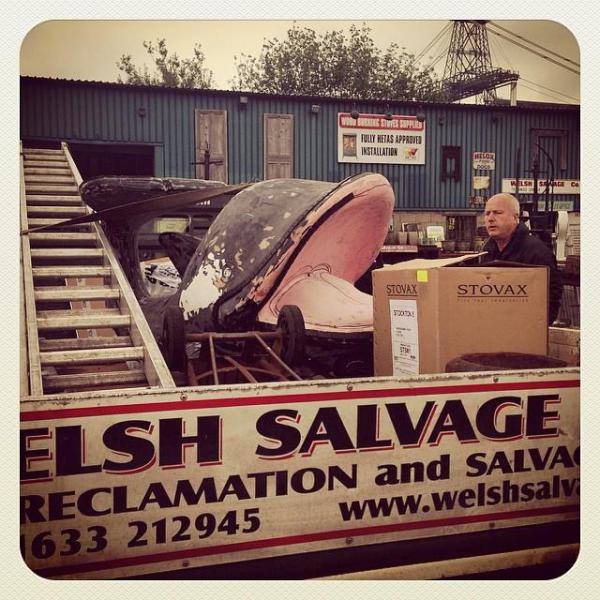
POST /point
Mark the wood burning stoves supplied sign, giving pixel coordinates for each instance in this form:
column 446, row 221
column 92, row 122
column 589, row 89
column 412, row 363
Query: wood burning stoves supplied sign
column 372, row 138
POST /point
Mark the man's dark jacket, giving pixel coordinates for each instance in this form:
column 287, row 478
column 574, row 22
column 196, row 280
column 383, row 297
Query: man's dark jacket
column 525, row 248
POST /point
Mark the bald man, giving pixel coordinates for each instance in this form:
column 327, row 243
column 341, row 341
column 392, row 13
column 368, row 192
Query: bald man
column 512, row 241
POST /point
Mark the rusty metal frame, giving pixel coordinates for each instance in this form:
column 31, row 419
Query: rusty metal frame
column 275, row 368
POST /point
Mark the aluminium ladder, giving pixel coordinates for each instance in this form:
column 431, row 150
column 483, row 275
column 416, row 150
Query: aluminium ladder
column 82, row 327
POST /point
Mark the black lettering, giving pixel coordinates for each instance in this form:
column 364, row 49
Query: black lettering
column 466, row 498
column 31, row 509
column 271, row 427
column 527, row 492
column 367, row 426
column 409, row 435
column 85, row 502
column 172, row 441
column 537, row 415
column 543, row 492
column 26, row 454
column 487, row 417
column 348, row 480
column 453, row 418
column 193, row 496
column 494, row 495
column 141, row 451
column 234, row 486
column 120, row 500
column 300, row 485
column 539, row 463
column 327, row 427
column 388, row 475
column 70, row 452
column 260, row 483
column 439, row 469
column 156, row 494
column 501, row 462
column 477, row 462
column 562, row 457
column 57, row 504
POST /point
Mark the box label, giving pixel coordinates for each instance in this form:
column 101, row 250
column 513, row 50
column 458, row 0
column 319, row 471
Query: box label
column 405, row 336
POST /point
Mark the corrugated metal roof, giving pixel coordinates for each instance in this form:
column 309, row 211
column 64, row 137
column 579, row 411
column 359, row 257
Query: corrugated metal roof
column 528, row 105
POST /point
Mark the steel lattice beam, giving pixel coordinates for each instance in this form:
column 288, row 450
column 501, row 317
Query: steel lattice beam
column 468, row 70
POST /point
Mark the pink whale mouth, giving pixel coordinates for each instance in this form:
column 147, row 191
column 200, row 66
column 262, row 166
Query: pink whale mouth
column 320, row 280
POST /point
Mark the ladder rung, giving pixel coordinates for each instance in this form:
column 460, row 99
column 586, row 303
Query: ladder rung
column 76, row 293
column 43, row 222
column 54, row 171
column 88, row 321
column 112, row 341
column 62, row 239
column 91, row 357
column 53, row 179
column 46, row 158
column 71, row 271
column 51, row 189
column 47, row 199
column 56, row 224
column 45, row 163
column 71, row 253
column 106, row 379
column 64, row 212
column 77, row 312
column 43, row 151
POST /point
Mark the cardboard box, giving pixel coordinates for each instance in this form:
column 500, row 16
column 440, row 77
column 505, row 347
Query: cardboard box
column 427, row 312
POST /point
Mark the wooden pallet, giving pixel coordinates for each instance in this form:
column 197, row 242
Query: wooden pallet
column 82, row 326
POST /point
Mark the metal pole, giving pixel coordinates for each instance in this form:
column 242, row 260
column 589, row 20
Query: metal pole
column 513, row 93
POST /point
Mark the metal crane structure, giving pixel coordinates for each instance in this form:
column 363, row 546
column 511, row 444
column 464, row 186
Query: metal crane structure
column 469, row 70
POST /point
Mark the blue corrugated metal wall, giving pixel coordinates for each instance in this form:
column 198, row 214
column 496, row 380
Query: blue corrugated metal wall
column 108, row 113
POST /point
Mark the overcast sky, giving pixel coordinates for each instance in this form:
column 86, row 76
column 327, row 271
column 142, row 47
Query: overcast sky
column 89, row 50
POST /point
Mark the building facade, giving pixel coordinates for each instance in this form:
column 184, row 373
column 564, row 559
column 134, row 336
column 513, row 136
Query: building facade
column 443, row 160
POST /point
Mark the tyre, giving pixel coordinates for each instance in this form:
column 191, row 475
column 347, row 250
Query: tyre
column 291, row 325
column 173, row 338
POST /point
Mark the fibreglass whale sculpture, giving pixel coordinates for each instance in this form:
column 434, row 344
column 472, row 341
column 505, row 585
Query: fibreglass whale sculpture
column 275, row 245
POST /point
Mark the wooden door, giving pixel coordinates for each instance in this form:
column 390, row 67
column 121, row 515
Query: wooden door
column 211, row 135
column 278, row 149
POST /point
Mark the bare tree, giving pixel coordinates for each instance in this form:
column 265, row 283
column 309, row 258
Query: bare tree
column 170, row 70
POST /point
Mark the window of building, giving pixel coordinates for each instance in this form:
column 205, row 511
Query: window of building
column 549, row 149
column 451, row 165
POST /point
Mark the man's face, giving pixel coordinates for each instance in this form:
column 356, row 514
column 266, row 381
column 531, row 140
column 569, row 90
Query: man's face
column 500, row 219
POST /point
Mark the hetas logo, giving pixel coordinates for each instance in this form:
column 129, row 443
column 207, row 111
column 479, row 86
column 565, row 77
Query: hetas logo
column 492, row 290
column 401, row 289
